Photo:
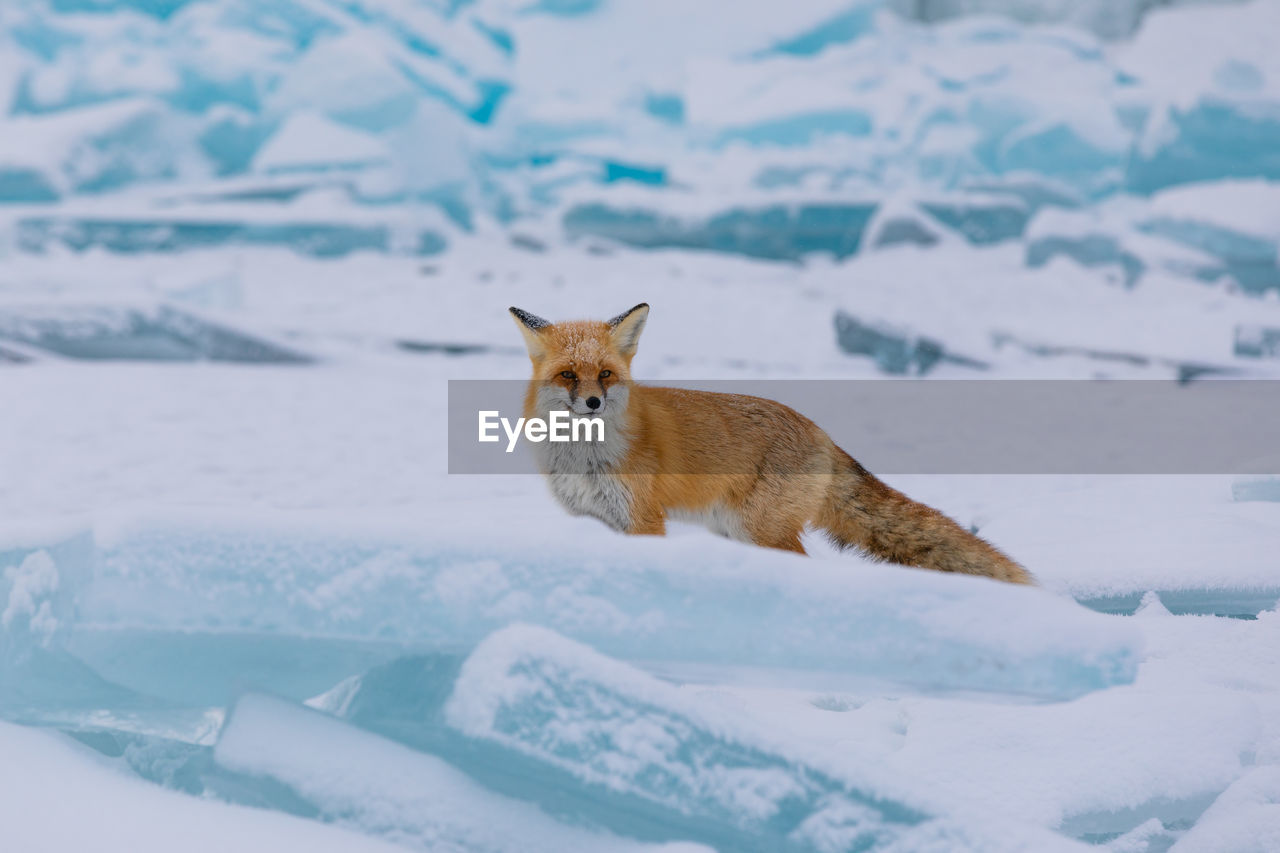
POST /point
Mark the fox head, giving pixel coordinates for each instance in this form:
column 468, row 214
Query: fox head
column 583, row 365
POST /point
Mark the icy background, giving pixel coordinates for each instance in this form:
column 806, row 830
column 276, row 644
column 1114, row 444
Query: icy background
column 245, row 243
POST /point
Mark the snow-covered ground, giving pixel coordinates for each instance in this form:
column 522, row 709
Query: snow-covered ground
column 246, row 246
column 178, row 533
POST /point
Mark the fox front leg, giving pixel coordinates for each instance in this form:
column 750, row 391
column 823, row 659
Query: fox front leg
column 647, row 521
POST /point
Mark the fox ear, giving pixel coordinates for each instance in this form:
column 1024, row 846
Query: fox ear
column 530, row 326
column 625, row 329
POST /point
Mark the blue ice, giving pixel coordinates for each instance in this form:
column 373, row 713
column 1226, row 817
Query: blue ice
column 193, row 612
column 540, row 718
column 299, row 760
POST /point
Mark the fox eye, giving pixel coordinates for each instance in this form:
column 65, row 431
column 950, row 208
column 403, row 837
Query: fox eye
column 568, row 374
column 605, row 374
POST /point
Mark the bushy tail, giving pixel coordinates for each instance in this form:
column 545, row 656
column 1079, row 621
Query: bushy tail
column 862, row 512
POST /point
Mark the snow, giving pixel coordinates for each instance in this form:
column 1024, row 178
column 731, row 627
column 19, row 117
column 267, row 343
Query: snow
column 1209, row 43
column 65, row 798
column 246, row 247
column 1250, row 207
column 384, row 789
column 31, row 586
column 1246, row 817
column 222, row 546
column 309, row 141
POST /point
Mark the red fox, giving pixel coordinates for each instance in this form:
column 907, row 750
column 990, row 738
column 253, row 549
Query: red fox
column 748, row 468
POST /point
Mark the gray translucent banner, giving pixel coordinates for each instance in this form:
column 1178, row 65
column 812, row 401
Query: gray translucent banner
column 965, row 426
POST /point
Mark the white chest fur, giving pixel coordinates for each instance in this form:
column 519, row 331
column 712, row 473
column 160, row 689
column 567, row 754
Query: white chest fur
column 601, row 496
column 583, row 476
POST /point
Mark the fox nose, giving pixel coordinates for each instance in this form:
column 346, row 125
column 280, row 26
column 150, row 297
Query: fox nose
column 593, row 402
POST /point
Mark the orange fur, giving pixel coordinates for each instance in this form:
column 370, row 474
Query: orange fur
column 750, row 468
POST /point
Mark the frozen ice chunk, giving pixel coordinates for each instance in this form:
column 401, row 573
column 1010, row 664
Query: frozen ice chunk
column 1260, row 487
column 1090, row 151
column 799, row 129
column 895, row 351
column 159, row 333
column 639, row 744
column 564, row 8
column 1148, row 837
column 1110, row 238
column 94, row 148
column 346, row 80
column 901, row 221
column 39, row 682
column 1151, row 606
column 405, row 700
column 631, row 736
column 176, row 764
column 1107, row 18
column 980, row 220
column 12, row 354
column 629, row 774
column 155, row 8
column 366, row 782
column 131, row 234
column 1210, row 140
column 1034, row 190
column 1235, row 222
column 66, row 798
column 1257, row 342
column 38, row 589
column 27, row 184
column 837, row 92
column 1236, row 602
column 32, row 590
column 774, row 231
column 1207, row 62
column 1088, row 250
column 687, row 600
column 840, row 28
column 1213, row 113
column 310, row 142
column 1250, row 260
column 902, row 228
column 1244, row 819
column 101, row 102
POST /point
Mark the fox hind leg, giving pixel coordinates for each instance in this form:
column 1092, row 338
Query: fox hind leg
column 784, row 542
column 772, row 522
